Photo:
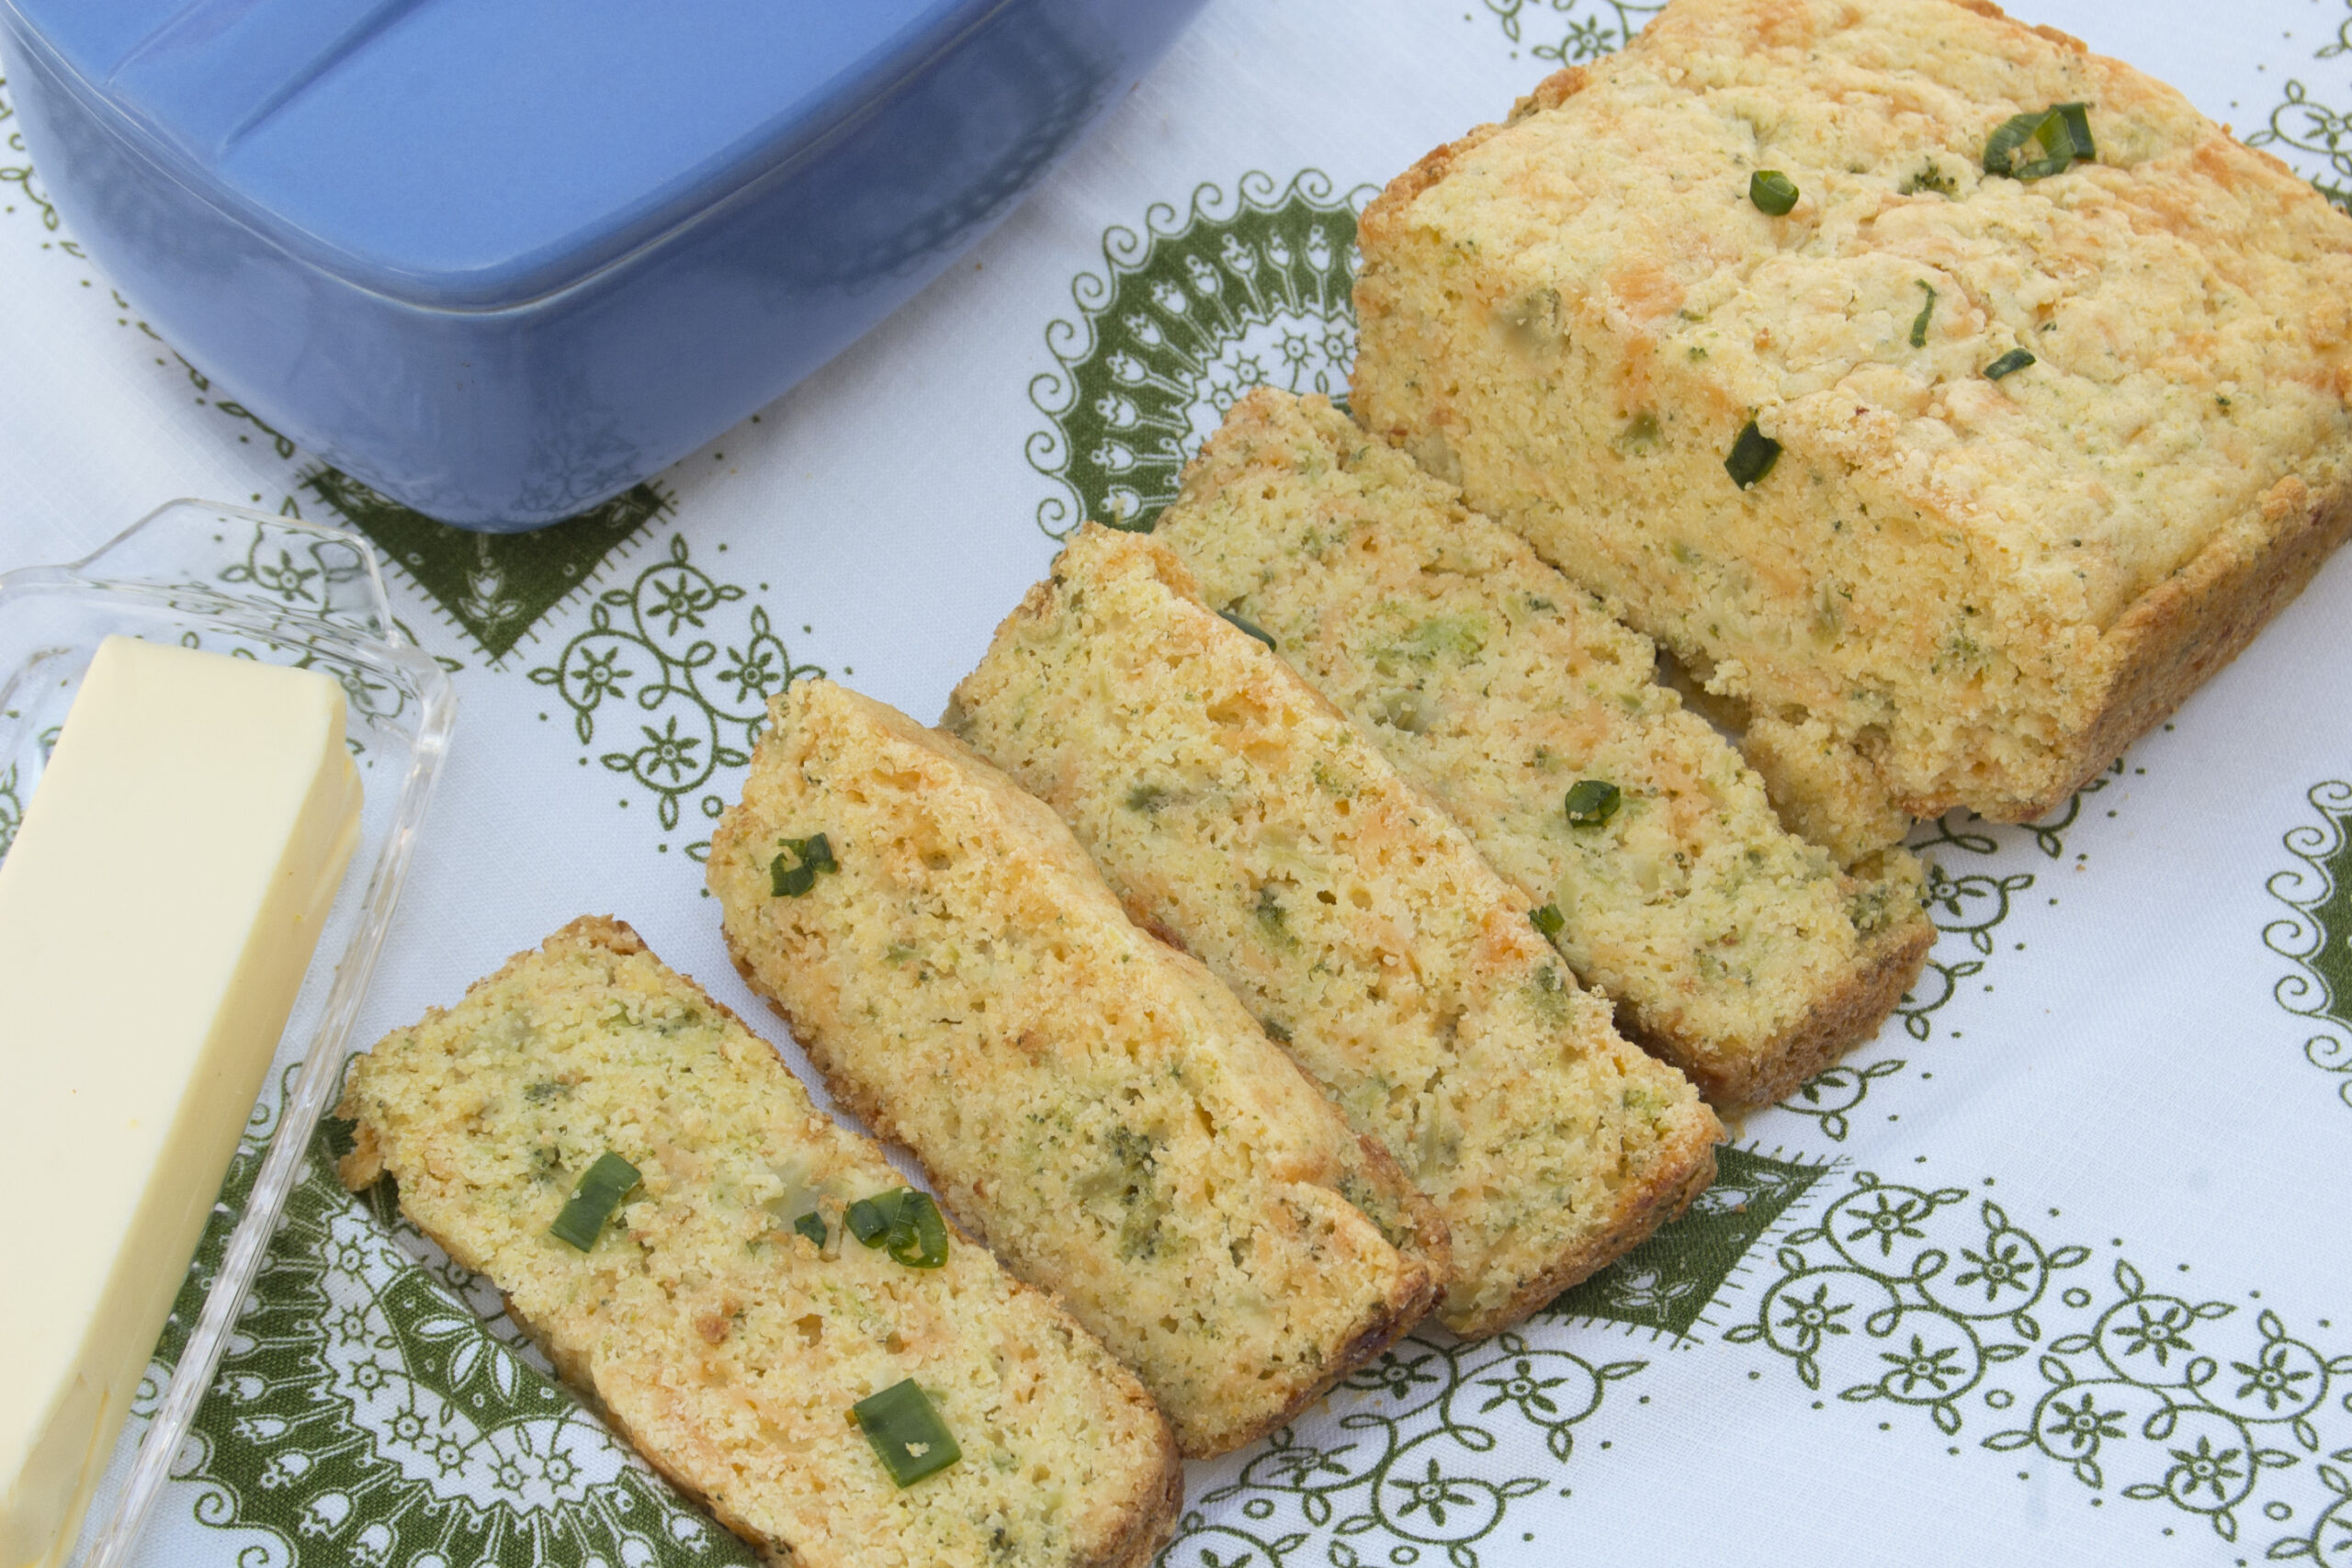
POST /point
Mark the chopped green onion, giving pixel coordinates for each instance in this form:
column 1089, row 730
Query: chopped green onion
column 1919, row 322
column 1752, row 456
column 1252, row 628
column 868, row 1219
column 1593, row 802
column 598, row 1193
column 1773, row 192
column 2078, row 129
column 812, row 1225
column 1548, row 919
column 2008, row 364
column 907, row 1435
column 2062, row 133
column 919, row 1239
column 904, row 1222
column 811, row 855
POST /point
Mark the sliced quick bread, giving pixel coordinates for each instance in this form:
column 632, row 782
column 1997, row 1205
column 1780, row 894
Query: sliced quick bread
column 728, row 1346
column 1947, row 395
column 1091, row 1101
column 1732, row 948
column 1238, row 812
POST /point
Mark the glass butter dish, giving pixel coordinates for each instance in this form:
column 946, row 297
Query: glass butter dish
column 502, row 259
column 285, row 591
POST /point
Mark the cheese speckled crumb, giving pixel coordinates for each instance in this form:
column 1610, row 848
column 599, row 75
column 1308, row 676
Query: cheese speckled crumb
column 1734, row 949
column 725, row 1345
column 1233, row 808
column 1095, row 1103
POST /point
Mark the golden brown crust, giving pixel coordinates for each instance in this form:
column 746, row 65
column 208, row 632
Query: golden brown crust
column 1152, row 1525
column 2179, row 632
column 1389, row 208
column 1685, row 1168
column 1550, row 92
column 1844, row 1020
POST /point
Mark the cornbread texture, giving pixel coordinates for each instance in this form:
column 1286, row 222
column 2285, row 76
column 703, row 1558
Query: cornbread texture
column 725, row 1345
column 1105, row 1113
column 1965, row 580
column 1732, row 948
column 1234, row 809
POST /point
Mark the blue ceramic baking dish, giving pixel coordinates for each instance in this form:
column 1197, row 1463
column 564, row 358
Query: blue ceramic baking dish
column 501, row 259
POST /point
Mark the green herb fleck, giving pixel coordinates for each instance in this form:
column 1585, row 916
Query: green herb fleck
column 1592, row 802
column 1548, row 919
column 812, row 1225
column 1640, row 431
column 907, row 1435
column 811, row 855
column 1919, row 322
column 2057, row 137
column 1773, row 192
column 903, row 1221
column 597, row 1194
column 1930, row 178
column 1752, row 456
column 1146, row 798
column 1272, row 918
column 2008, row 364
column 1251, row 627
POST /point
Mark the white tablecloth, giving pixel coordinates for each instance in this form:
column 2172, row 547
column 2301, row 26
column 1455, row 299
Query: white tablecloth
column 2057, row 1267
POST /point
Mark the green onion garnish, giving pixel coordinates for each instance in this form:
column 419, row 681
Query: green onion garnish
column 1752, row 456
column 2008, row 364
column 1919, row 322
column 1773, row 192
column 598, row 1193
column 868, row 1219
column 811, row 855
column 907, row 1435
column 1548, row 919
column 812, row 1225
column 1592, row 802
column 905, row 1222
column 1261, row 633
column 2061, row 133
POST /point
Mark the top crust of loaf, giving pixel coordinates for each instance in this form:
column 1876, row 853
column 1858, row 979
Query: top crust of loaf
column 1236, row 811
column 1986, row 587
column 1732, row 948
column 1092, row 1101
column 725, row 1346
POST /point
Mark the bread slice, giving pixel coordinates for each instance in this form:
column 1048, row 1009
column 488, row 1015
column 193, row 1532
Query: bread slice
column 1092, row 1102
column 727, row 1346
column 1235, row 810
column 1732, row 948
column 1958, row 582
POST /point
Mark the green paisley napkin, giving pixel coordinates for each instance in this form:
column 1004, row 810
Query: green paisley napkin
column 2057, row 1266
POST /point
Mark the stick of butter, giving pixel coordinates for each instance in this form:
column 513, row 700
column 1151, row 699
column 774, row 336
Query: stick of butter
column 157, row 912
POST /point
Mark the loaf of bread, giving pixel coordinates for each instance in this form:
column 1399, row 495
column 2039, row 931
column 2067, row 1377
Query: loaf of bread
column 1236, row 811
column 1103, row 1112
column 728, row 1344
column 1732, row 948
column 1959, row 465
